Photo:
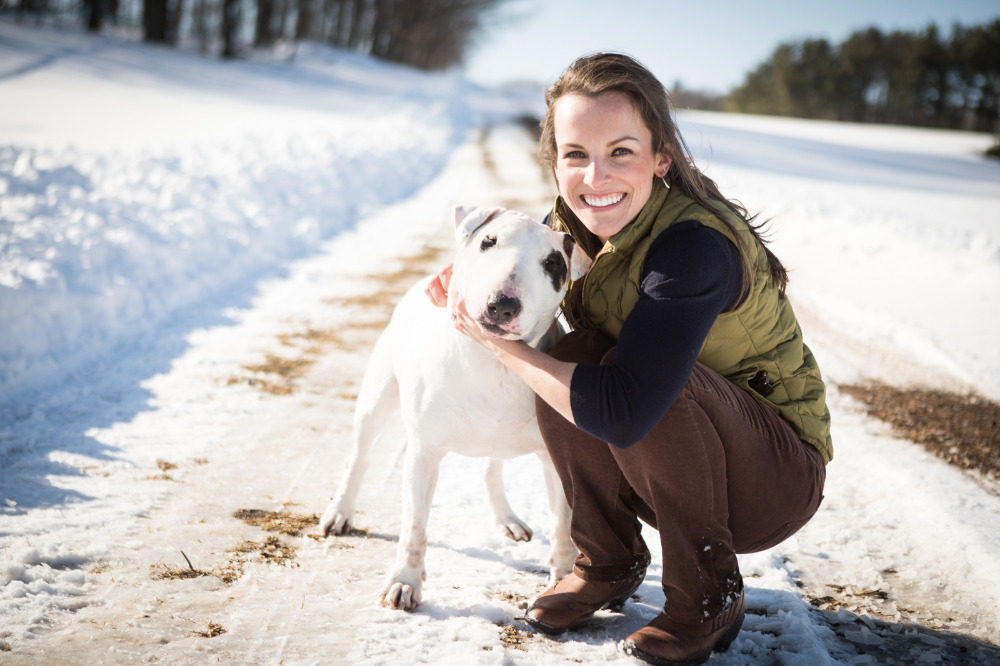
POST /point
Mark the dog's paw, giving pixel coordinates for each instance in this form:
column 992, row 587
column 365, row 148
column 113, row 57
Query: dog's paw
column 515, row 530
column 335, row 521
column 400, row 596
column 558, row 572
column 560, row 564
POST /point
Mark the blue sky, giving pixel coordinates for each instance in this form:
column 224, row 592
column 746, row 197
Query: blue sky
column 706, row 44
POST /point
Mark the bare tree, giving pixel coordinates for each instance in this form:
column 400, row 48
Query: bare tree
column 305, row 24
column 381, row 28
column 286, row 7
column 95, row 14
column 358, row 15
column 155, row 20
column 199, row 24
column 264, row 35
column 432, row 34
column 338, row 36
column 231, row 16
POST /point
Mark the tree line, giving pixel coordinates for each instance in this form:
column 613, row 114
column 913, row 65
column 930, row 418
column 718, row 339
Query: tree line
column 919, row 78
column 429, row 34
column 914, row 78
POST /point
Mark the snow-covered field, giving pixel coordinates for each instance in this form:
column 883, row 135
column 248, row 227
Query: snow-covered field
column 170, row 224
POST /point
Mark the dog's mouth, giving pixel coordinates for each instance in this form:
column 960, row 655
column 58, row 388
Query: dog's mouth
column 490, row 328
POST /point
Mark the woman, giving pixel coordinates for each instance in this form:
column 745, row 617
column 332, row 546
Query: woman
column 684, row 396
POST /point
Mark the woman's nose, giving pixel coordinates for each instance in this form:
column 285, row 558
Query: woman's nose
column 595, row 175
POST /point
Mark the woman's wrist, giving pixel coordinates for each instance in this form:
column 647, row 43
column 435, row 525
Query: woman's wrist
column 507, row 348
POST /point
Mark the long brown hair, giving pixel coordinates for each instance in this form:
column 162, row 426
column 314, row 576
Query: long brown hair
column 605, row 72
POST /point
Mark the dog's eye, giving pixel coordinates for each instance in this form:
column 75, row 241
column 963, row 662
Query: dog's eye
column 488, row 242
column 554, row 265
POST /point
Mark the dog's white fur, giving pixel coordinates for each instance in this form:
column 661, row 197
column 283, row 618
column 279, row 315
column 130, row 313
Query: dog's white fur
column 454, row 395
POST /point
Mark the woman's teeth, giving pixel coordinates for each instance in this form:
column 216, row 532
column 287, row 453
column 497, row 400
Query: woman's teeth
column 604, row 200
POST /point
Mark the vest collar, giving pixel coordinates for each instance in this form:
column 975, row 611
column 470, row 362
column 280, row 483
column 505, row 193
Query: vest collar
column 640, row 227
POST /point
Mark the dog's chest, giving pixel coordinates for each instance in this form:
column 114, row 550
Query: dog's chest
column 470, row 404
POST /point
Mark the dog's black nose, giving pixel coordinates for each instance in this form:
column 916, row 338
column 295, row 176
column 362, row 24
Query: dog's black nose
column 500, row 309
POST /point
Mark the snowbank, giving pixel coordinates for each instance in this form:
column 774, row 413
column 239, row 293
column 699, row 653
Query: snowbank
column 133, row 195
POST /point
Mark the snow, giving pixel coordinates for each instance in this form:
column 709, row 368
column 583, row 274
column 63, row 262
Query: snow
column 167, row 221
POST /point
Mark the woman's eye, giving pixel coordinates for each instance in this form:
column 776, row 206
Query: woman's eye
column 619, row 152
column 574, row 155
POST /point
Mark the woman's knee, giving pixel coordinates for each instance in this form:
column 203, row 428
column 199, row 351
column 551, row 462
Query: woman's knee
column 779, row 515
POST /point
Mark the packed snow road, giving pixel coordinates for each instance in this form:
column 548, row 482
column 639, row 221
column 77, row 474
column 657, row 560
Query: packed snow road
column 168, row 559
column 230, row 426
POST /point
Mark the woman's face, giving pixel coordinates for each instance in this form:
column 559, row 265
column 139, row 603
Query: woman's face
column 605, row 162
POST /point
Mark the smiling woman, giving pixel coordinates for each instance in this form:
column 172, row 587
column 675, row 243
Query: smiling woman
column 685, row 395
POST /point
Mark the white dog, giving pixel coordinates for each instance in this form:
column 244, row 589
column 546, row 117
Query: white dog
column 455, row 395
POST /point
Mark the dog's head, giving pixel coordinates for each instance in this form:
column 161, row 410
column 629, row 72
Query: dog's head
column 513, row 271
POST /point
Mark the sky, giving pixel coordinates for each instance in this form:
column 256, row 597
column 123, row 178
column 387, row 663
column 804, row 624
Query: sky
column 708, row 46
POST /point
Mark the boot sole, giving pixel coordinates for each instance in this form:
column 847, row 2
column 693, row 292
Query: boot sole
column 615, row 605
column 720, row 646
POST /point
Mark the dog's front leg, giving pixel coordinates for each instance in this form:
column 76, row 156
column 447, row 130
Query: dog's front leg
column 510, row 525
column 563, row 552
column 377, row 400
column 420, row 473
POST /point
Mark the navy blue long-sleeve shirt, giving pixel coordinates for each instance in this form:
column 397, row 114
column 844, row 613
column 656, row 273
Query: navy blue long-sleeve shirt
column 691, row 275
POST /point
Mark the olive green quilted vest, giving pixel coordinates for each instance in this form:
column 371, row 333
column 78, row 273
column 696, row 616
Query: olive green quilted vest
column 762, row 334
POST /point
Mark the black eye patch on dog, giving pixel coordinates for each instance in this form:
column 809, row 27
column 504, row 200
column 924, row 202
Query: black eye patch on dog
column 488, row 242
column 554, row 265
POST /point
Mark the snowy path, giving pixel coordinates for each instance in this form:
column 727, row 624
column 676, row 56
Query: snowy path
column 236, row 446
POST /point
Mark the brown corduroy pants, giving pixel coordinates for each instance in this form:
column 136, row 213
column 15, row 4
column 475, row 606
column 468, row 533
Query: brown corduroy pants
column 719, row 475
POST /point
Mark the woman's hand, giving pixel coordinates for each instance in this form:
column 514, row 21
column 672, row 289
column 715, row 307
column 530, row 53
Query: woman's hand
column 465, row 324
column 437, row 288
column 546, row 376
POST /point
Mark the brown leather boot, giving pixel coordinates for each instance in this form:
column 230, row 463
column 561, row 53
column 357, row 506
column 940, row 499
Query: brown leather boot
column 665, row 642
column 571, row 602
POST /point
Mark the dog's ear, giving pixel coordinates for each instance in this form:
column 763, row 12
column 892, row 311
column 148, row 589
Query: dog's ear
column 579, row 262
column 468, row 219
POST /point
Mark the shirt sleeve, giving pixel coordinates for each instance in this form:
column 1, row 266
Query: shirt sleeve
column 691, row 275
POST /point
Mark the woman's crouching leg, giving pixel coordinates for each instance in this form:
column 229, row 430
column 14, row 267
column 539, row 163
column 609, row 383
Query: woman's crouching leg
column 605, row 510
column 723, row 475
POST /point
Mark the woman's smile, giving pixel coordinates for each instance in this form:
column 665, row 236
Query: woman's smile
column 603, row 200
